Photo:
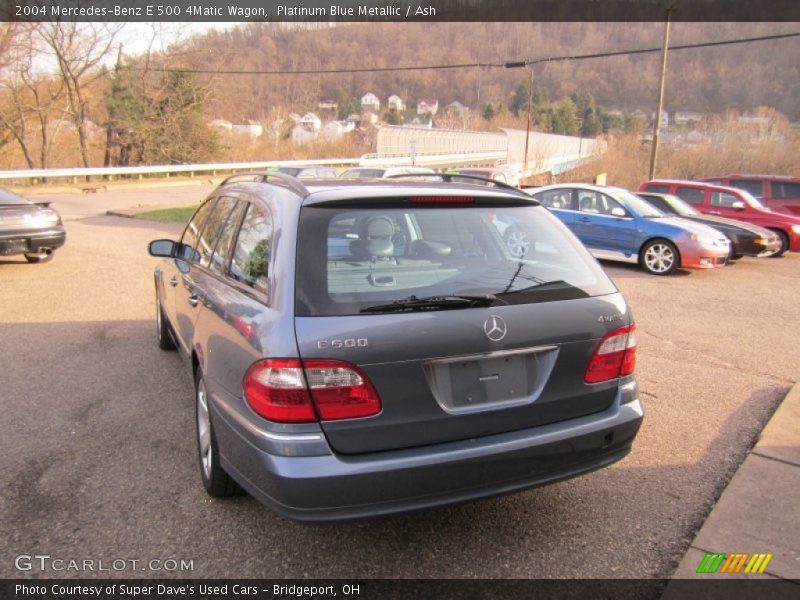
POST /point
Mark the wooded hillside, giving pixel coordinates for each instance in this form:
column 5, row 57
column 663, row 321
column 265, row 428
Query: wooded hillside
column 737, row 77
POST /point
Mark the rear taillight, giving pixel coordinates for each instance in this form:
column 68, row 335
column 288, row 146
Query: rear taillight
column 295, row 391
column 615, row 356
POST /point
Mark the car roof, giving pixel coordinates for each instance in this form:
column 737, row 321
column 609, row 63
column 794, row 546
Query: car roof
column 704, row 184
column 756, row 176
column 586, row 186
column 329, row 189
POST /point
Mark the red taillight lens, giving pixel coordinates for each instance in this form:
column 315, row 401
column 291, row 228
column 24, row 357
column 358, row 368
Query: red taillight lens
column 276, row 390
column 340, row 390
column 615, row 356
column 289, row 390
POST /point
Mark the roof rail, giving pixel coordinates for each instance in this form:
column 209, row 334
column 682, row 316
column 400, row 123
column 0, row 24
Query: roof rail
column 282, row 179
column 448, row 178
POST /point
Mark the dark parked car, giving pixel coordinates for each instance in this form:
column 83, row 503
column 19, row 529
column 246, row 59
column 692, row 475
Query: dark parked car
column 365, row 348
column 746, row 239
column 29, row 228
column 780, row 193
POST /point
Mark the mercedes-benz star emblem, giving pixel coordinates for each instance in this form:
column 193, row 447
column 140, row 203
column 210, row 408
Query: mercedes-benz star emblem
column 495, row 328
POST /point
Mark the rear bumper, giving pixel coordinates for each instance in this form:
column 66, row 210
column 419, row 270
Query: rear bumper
column 334, row 487
column 21, row 242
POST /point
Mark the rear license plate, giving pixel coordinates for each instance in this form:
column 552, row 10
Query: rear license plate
column 486, row 380
column 15, row 246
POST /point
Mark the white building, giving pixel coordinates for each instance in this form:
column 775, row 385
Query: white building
column 395, row 103
column 370, row 101
column 250, row 129
column 302, row 135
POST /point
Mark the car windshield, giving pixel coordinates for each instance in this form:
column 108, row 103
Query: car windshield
column 634, row 204
column 7, row 197
column 681, row 207
column 372, row 260
column 750, row 199
column 363, row 173
column 293, row 171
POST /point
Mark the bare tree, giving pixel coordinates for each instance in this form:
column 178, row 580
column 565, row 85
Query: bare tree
column 29, row 94
column 79, row 50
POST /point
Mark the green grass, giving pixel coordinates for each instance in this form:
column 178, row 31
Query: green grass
column 180, row 214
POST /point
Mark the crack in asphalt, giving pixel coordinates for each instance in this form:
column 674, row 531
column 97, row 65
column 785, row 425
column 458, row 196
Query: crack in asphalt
column 718, row 361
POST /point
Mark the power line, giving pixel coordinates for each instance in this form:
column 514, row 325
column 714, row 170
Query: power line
column 484, row 65
column 525, row 63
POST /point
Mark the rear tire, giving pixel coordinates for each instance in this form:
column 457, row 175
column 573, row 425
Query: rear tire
column 659, row 257
column 163, row 328
column 784, row 243
column 39, row 257
column 216, row 481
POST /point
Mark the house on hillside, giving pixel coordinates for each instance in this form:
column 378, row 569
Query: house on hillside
column 395, row 103
column 336, row 129
column 455, row 107
column 221, row 124
column 370, row 101
column 328, row 108
column 302, row 134
column 248, row 128
column 418, row 121
column 685, row 117
column 427, row 107
column 311, row 121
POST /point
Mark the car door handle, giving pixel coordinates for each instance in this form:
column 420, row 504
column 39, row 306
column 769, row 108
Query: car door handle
column 584, row 219
column 193, row 300
column 174, row 281
column 714, row 212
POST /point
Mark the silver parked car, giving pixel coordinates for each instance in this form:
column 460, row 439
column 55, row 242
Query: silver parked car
column 365, row 348
column 32, row 229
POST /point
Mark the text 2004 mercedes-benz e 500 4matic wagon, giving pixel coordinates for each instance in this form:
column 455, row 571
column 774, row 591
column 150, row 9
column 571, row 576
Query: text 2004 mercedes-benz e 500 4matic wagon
column 362, row 348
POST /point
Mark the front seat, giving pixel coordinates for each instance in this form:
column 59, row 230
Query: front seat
column 375, row 239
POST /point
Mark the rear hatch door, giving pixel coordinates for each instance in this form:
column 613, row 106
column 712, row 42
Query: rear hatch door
column 512, row 355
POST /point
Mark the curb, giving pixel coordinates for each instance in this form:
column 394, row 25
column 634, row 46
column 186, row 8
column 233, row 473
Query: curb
column 758, row 511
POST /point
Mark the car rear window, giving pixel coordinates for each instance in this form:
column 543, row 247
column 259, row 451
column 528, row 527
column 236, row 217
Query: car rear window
column 785, row 189
column 657, row 188
column 748, row 185
column 352, row 259
column 692, row 195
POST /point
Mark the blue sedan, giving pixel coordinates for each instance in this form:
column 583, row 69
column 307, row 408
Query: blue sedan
column 616, row 225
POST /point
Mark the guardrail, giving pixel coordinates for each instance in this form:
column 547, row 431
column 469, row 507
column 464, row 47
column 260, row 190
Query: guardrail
column 166, row 170
column 109, row 173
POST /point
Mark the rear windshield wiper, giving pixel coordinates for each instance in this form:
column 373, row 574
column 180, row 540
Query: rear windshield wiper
column 540, row 286
column 434, row 303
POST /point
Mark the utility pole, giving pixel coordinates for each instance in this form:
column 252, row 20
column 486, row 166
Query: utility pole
column 528, row 126
column 657, row 119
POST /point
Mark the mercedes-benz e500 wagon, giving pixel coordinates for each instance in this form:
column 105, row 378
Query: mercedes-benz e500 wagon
column 365, row 348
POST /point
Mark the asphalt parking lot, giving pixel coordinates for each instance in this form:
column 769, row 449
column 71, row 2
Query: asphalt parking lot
column 97, row 459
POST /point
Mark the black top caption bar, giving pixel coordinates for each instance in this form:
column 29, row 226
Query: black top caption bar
column 398, row 11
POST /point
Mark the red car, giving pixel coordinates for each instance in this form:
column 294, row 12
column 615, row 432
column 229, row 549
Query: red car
column 732, row 203
column 777, row 192
column 503, row 175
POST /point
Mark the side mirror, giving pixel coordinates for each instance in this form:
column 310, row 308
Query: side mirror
column 738, row 205
column 618, row 212
column 165, row 248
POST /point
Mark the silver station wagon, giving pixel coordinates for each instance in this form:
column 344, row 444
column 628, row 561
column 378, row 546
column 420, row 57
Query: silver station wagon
column 362, row 348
